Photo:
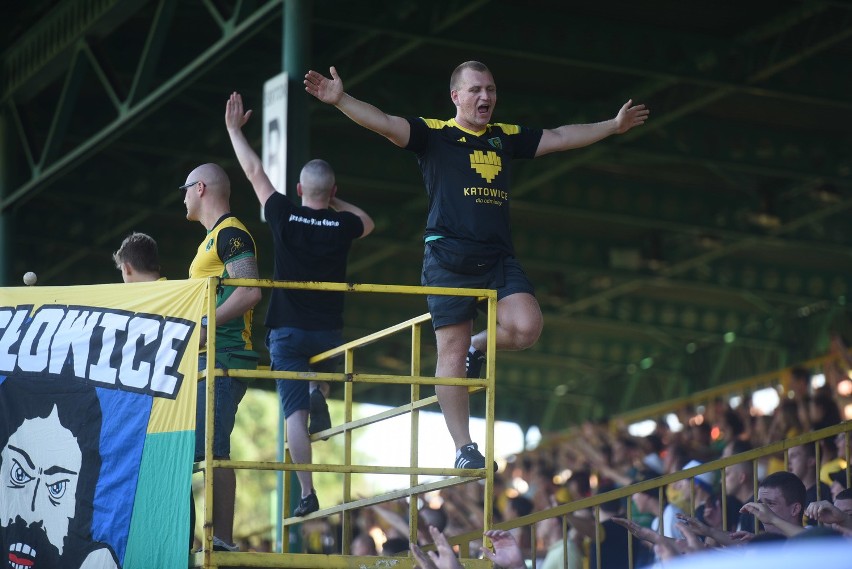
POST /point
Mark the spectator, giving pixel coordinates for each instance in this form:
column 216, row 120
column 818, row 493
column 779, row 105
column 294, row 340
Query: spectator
column 362, row 545
column 676, row 455
column 648, row 501
column 781, row 503
column 834, row 455
column 739, row 483
column 800, row 383
column 710, row 512
column 613, row 536
column 704, row 486
column 227, row 250
column 542, row 488
column 518, row 507
column 785, row 425
column 700, row 442
column 838, row 483
column 551, row 536
column 434, row 517
column 395, row 546
column 312, row 243
column 614, row 462
column 137, row 259
column 780, row 507
column 468, row 239
column 652, row 459
column 579, row 485
column 800, row 394
column 837, row 515
column 801, row 461
column 732, row 427
column 680, row 500
column 843, row 501
column 823, row 411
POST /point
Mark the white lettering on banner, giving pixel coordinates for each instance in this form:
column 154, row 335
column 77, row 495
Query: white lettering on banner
column 110, row 348
column 44, row 323
column 102, row 371
column 141, row 333
column 73, row 335
column 170, row 350
column 11, row 322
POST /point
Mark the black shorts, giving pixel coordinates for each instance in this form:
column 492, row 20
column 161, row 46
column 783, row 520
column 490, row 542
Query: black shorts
column 507, row 277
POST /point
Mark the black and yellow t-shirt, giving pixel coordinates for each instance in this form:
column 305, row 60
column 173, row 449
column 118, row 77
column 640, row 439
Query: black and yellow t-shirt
column 467, row 178
column 228, row 241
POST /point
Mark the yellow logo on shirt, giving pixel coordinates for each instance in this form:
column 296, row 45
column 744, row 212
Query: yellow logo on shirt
column 486, row 164
column 236, row 244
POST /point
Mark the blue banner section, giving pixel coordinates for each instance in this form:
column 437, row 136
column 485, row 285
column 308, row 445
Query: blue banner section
column 125, row 421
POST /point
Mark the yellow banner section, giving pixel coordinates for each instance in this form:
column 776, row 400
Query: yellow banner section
column 139, row 337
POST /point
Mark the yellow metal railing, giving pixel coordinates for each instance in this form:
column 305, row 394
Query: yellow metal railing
column 208, row 558
column 529, row 521
column 350, row 377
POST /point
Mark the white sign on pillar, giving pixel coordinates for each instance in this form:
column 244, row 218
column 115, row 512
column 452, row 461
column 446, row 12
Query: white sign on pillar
column 275, row 131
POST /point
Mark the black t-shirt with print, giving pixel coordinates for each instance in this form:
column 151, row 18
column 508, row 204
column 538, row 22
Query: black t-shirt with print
column 310, row 245
column 467, row 177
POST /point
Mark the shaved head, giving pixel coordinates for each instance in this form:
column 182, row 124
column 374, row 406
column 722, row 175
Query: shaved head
column 317, row 179
column 214, row 177
column 208, row 194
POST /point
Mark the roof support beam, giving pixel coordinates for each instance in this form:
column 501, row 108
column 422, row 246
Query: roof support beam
column 132, row 113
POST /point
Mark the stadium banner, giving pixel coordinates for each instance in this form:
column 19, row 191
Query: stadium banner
column 97, row 422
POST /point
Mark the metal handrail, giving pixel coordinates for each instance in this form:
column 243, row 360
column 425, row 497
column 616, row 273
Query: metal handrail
column 208, row 558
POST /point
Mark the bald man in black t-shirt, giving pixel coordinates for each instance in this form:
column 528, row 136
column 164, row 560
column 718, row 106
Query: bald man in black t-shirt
column 312, row 243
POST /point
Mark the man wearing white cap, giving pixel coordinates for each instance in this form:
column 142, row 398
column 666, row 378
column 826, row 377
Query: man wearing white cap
column 704, row 483
column 678, row 496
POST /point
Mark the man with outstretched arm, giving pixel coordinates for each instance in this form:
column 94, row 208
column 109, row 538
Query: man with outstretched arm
column 465, row 166
column 311, row 243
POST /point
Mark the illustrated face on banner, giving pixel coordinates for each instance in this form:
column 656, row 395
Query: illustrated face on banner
column 49, row 467
column 39, row 482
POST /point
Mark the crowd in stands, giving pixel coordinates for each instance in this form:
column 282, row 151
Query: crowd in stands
column 800, row 499
column 797, row 497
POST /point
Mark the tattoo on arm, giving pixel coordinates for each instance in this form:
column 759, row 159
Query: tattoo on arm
column 244, row 268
